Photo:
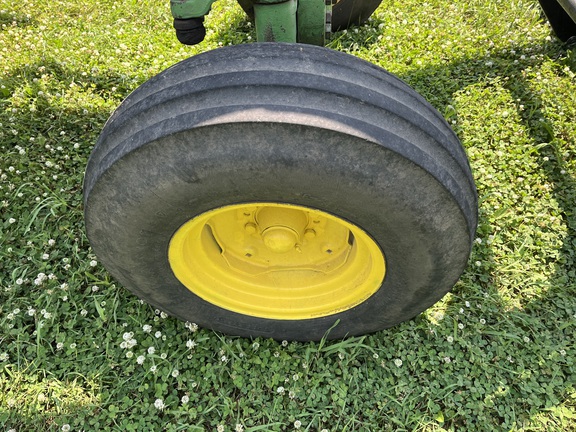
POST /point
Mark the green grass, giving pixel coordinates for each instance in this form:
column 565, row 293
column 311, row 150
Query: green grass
column 78, row 352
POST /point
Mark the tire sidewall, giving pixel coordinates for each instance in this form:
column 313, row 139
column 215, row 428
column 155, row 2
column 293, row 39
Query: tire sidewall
column 140, row 201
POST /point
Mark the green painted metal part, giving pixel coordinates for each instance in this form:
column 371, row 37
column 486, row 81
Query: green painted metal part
column 276, row 21
column 184, row 9
column 302, row 21
column 312, row 21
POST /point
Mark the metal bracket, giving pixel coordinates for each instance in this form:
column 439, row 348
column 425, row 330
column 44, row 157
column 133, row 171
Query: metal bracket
column 303, row 21
column 276, row 20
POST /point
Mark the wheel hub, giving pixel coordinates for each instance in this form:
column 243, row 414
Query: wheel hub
column 276, row 261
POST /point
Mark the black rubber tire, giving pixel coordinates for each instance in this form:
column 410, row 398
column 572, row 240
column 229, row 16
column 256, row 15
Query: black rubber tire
column 345, row 13
column 562, row 23
column 287, row 123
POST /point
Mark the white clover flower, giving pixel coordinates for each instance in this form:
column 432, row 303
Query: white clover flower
column 526, row 339
column 163, row 356
column 191, row 326
column 163, row 315
column 562, row 352
column 291, row 394
column 127, row 336
column 129, row 354
column 297, row 424
column 482, row 321
column 185, row 399
column 158, row 334
column 140, row 359
column 151, row 350
column 375, row 355
column 31, row 311
column 175, row 373
column 51, row 242
column 19, row 281
column 220, row 428
column 223, row 359
column 11, row 220
column 159, row 404
column 59, row 345
column 40, row 278
column 147, row 328
column 93, row 263
column 83, row 312
column 450, row 339
column 190, row 344
column 239, row 428
column 398, row 362
column 467, row 304
column 153, row 369
column 72, row 345
column 284, row 343
column 4, row 357
column 280, row 390
column 447, row 360
column 460, row 326
column 66, row 428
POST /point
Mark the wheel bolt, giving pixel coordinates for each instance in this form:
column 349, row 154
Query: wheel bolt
column 310, row 234
column 250, row 228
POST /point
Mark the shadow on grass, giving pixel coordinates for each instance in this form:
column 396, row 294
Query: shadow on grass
column 557, row 293
column 14, row 19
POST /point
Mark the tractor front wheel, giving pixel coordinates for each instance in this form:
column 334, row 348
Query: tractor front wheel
column 277, row 189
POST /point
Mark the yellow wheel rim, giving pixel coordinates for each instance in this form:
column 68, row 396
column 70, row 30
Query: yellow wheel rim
column 276, row 261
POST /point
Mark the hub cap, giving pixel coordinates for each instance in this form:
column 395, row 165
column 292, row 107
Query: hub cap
column 276, row 261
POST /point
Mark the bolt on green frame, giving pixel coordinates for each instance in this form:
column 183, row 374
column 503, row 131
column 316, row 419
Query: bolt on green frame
column 302, row 21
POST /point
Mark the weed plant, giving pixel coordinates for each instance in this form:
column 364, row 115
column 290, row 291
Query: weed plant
column 78, row 352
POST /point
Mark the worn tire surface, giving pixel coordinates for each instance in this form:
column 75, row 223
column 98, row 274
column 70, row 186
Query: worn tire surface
column 291, row 124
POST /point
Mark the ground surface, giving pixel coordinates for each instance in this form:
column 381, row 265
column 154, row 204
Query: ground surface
column 78, row 352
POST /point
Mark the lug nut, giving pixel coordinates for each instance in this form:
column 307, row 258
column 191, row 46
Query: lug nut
column 310, row 234
column 250, row 228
